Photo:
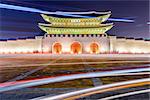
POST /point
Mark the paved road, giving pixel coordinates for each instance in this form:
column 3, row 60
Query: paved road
column 126, row 94
column 30, row 93
column 77, row 63
column 88, row 56
column 88, row 68
column 28, row 83
column 23, row 75
column 130, row 57
column 98, row 89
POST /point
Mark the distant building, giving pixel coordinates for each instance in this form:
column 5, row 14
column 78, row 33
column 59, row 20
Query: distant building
column 76, row 36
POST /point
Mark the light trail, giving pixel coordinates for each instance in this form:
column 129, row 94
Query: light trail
column 22, row 81
column 125, row 94
column 45, row 6
column 131, row 74
column 98, row 89
column 22, row 84
column 14, row 7
column 120, row 20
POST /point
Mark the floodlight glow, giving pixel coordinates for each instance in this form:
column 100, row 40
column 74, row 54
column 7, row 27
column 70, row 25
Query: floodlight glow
column 13, row 7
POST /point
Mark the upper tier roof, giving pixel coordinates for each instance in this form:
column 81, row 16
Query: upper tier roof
column 56, row 21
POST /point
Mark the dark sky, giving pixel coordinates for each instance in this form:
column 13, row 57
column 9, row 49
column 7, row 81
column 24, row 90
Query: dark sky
column 15, row 24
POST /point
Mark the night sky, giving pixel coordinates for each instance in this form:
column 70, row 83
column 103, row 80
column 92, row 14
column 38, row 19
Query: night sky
column 21, row 24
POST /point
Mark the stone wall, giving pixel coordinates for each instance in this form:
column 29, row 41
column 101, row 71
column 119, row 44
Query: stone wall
column 123, row 45
column 110, row 44
column 21, row 45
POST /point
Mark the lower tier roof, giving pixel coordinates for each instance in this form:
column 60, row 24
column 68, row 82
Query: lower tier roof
column 52, row 30
column 77, row 25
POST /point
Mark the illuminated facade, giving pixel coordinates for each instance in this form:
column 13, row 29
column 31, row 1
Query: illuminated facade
column 76, row 36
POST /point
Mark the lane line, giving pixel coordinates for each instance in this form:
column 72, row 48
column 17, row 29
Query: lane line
column 96, row 81
column 125, row 94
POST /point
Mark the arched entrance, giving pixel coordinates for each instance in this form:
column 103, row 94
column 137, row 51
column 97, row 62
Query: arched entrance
column 94, row 48
column 57, row 48
column 76, row 48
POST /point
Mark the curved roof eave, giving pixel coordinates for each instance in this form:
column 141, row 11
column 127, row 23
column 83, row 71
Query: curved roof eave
column 88, row 12
column 75, row 30
column 50, row 19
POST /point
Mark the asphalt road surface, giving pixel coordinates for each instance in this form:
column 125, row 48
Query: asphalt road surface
column 10, row 65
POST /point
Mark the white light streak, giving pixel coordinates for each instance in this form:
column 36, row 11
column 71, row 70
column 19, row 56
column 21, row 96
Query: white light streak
column 68, row 77
column 90, row 90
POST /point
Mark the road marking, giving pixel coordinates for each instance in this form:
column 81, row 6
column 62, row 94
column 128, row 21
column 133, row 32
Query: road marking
column 125, row 94
column 31, row 72
column 96, row 81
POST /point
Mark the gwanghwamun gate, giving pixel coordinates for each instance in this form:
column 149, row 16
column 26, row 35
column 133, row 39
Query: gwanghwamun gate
column 76, row 36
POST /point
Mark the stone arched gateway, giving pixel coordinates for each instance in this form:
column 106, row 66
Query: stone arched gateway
column 94, row 48
column 57, row 48
column 76, row 48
